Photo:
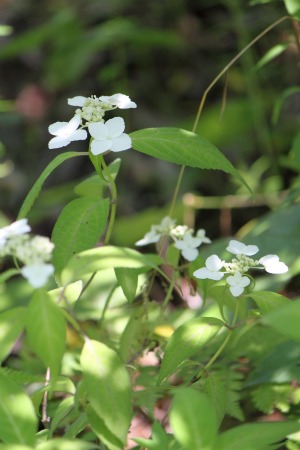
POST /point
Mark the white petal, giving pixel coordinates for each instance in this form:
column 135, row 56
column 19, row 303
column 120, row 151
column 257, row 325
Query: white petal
column 245, row 281
column 58, row 142
column 121, row 143
column 74, row 123
column 37, row 274
column 122, row 101
column 190, row 254
column 273, row 265
column 19, row 227
column 251, row 250
column 214, row 263
column 78, row 135
column 98, row 131
column 56, row 127
column 149, row 238
column 236, row 290
column 77, row 101
column 115, row 126
column 99, row 147
column 238, row 248
column 204, row 273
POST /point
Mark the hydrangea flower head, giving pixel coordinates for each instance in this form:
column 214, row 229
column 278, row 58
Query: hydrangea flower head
column 109, row 136
column 66, row 132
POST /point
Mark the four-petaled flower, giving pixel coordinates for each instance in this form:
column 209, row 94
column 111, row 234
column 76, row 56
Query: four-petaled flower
column 272, row 264
column 188, row 246
column 109, row 136
column 237, row 283
column 212, row 270
column 66, row 132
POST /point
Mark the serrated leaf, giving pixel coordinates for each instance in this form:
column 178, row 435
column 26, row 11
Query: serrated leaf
column 12, row 322
column 193, row 420
column 128, row 280
column 286, row 320
column 108, row 388
column 18, row 422
column 268, row 301
column 101, row 258
column 78, row 228
column 258, row 436
column 186, row 341
column 215, row 390
column 35, row 190
column 182, row 147
column 46, row 330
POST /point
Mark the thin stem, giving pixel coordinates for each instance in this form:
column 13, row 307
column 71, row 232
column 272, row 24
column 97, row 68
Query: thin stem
column 45, row 417
column 107, row 303
column 113, row 208
column 221, row 348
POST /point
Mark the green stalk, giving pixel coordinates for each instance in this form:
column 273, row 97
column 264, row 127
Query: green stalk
column 113, row 202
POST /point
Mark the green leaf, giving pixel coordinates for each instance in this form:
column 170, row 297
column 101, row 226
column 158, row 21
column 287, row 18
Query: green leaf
column 214, row 388
column 186, row 341
column 159, row 439
column 65, row 406
column 36, row 188
column 64, row 444
column 101, row 258
column 76, row 427
column 293, row 7
column 108, row 388
column 193, row 420
column 286, row 320
column 12, row 323
column 100, row 429
column 268, row 301
column 258, row 436
column 18, row 422
column 130, row 341
column 78, row 228
column 46, row 330
column 271, row 54
column 182, row 147
column 128, row 280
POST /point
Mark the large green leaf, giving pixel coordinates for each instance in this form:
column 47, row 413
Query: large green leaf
column 293, row 7
column 268, row 301
column 258, row 436
column 35, row 190
column 186, row 341
column 100, row 258
column 182, row 147
column 286, row 320
column 65, row 444
column 108, row 389
column 18, row 422
column 78, row 228
column 193, row 420
column 46, row 330
column 12, row 323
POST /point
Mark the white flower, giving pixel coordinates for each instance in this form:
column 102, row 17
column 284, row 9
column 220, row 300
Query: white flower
column 211, row 271
column 150, row 238
column 109, row 136
column 14, row 229
column 188, row 246
column 66, row 132
column 119, row 100
column 237, row 283
column 37, row 274
column 272, row 264
column 201, row 235
column 238, row 248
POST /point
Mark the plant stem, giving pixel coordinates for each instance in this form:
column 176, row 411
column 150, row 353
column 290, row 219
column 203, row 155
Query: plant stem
column 223, row 345
column 45, row 417
column 113, row 202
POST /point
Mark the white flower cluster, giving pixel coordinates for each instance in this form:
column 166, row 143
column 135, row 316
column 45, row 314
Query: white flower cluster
column 106, row 136
column 181, row 234
column 34, row 252
column 239, row 266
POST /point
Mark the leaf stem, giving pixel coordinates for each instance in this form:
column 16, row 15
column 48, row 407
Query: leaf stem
column 113, row 208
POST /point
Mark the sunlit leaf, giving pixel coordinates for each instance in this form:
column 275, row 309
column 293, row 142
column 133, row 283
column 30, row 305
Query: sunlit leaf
column 286, row 320
column 193, row 420
column 268, row 301
column 18, row 422
column 12, row 322
column 186, row 341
